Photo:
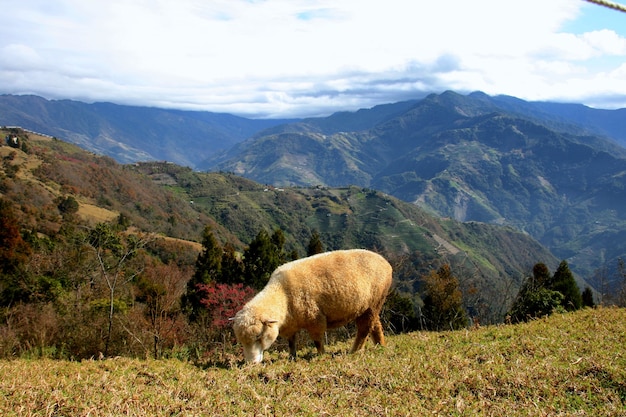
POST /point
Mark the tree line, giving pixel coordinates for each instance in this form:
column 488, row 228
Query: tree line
column 103, row 290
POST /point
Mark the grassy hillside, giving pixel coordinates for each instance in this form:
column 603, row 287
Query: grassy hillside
column 490, row 259
column 46, row 169
column 566, row 365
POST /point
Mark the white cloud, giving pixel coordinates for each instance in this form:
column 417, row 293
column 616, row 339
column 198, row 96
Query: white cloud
column 19, row 56
column 606, row 42
column 300, row 57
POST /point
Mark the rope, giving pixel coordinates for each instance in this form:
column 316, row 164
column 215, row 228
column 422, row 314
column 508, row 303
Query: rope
column 609, row 4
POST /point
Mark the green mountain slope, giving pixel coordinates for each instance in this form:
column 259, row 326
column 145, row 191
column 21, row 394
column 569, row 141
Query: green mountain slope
column 471, row 158
column 178, row 202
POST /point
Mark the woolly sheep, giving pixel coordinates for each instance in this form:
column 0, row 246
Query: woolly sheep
column 316, row 293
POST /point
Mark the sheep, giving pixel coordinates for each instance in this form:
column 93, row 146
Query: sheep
column 320, row 292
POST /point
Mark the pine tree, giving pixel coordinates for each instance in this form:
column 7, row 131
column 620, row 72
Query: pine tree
column 67, row 205
column 534, row 298
column 541, row 276
column 264, row 254
column 587, row 298
column 278, row 241
column 208, row 270
column 563, row 282
column 315, row 245
column 232, row 267
column 531, row 303
column 209, row 262
column 260, row 259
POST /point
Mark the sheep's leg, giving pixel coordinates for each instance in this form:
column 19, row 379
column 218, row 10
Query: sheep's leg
column 363, row 326
column 319, row 344
column 318, row 338
column 317, row 331
column 292, row 346
column 377, row 331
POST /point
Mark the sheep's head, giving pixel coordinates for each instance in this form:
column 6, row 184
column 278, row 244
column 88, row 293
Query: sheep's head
column 255, row 334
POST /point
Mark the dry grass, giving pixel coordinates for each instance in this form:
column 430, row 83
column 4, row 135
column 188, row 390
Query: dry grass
column 94, row 214
column 566, row 365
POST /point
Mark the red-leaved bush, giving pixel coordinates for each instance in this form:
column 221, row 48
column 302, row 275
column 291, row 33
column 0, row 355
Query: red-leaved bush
column 223, row 301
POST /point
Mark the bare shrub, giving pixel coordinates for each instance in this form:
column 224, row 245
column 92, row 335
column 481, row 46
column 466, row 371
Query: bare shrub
column 30, row 329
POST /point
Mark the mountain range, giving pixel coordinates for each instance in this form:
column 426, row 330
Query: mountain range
column 128, row 133
column 555, row 171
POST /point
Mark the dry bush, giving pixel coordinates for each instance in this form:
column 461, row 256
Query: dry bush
column 9, row 341
column 30, row 329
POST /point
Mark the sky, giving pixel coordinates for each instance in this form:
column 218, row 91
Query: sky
column 298, row 58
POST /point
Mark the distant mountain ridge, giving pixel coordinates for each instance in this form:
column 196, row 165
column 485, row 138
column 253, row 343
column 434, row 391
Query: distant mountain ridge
column 129, row 133
column 472, row 158
column 202, row 140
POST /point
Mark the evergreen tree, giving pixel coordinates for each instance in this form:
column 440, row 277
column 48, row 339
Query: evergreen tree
column 293, row 255
column 443, row 303
column 123, row 221
column 278, row 242
column 208, row 270
column 587, row 298
column 232, row 267
column 68, row 205
column 563, row 282
column 541, row 276
column 534, row 299
column 260, row 259
column 531, row 303
column 209, row 262
column 315, row 245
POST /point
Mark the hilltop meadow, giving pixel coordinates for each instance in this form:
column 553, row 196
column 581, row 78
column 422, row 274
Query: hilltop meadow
column 570, row 364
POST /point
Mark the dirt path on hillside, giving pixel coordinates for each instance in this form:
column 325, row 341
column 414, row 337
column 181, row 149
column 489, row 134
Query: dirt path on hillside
column 449, row 247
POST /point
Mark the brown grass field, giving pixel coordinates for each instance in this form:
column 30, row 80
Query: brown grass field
column 565, row 365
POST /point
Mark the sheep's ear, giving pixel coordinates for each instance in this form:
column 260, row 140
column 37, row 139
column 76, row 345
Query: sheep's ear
column 231, row 319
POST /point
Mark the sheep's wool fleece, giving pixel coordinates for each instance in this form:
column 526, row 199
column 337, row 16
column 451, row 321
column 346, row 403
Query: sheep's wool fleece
column 340, row 285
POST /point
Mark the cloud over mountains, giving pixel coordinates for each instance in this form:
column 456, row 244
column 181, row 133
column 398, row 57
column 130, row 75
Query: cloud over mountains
column 309, row 57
